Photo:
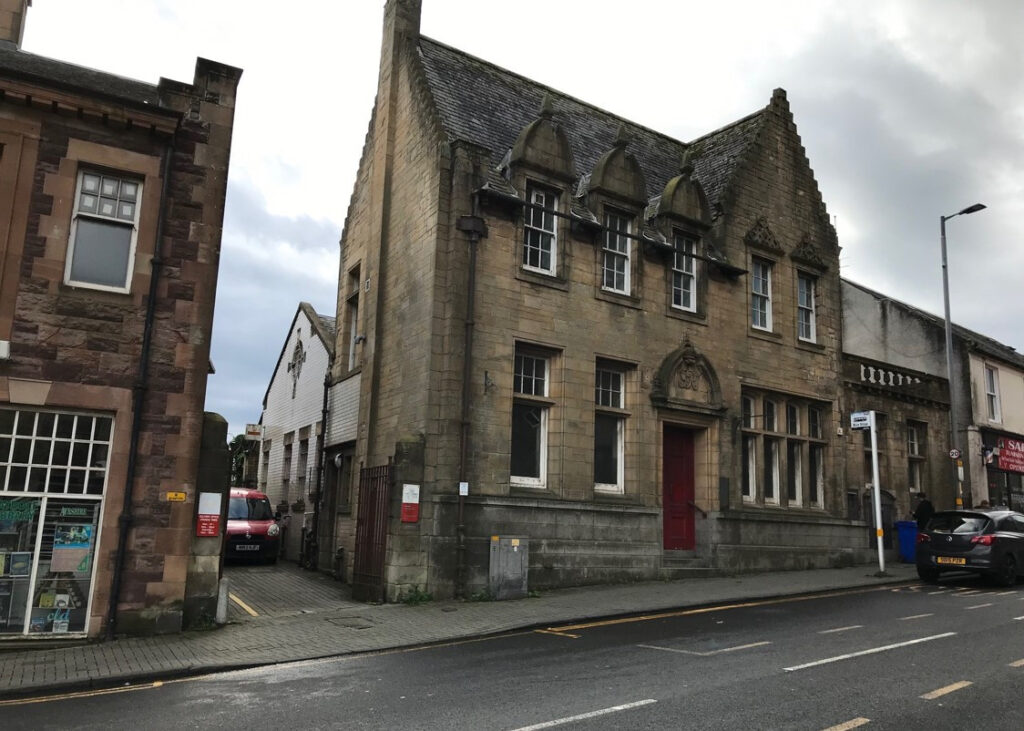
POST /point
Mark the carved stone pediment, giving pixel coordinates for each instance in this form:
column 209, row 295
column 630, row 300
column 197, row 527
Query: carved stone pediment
column 761, row 237
column 686, row 381
column 807, row 253
column 543, row 145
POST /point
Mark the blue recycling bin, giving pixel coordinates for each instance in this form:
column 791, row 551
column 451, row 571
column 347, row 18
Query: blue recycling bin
column 907, row 532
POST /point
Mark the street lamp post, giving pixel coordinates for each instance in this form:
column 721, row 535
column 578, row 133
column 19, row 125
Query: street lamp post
column 949, row 352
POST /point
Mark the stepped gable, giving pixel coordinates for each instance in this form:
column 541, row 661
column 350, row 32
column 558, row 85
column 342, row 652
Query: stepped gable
column 486, row 105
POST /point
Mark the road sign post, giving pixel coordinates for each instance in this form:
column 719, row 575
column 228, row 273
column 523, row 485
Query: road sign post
column 860, row 420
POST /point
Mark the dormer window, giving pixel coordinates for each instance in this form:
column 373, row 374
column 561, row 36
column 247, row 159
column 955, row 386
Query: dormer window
column 684, row 273
column 540, row 232
column 616, row 251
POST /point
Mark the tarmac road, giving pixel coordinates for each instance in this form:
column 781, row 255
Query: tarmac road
column 906, row 657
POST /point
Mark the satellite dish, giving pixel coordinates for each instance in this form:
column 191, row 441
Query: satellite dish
column 338, row 459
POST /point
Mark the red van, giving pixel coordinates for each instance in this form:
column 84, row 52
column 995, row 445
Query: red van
column 252, row 531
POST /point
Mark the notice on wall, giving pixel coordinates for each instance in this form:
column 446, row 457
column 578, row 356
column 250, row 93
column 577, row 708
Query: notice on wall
column 72, row 548
column 208, row 515
column 410, row 503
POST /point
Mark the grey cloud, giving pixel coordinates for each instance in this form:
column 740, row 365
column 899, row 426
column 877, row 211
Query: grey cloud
column 256, row 300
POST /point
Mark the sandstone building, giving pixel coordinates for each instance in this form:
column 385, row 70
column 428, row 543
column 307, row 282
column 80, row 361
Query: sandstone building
column 111, row 203
column 625, row 347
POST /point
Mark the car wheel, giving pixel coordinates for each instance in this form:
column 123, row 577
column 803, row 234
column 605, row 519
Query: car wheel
column 1006, row 574
column 928, row 575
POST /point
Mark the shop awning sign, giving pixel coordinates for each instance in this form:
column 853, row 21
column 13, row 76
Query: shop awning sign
column 1011, row 455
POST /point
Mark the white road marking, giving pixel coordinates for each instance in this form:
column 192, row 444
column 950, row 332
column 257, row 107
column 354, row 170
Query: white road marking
column 1018, row 618
column 940, row 591
column 946, row 690
column 585, row 716
column 916, row 616
column 872, row 651
column 968, row 593
column 1006, row 593
column 840, row 629
column 705, row 654
column 980, row 606
column 853, row 723
column 1017, row 664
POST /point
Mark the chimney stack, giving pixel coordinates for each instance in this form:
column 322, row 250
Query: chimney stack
column 12, row 20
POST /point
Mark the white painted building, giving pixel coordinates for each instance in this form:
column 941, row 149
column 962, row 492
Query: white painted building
column 989, row 378
column 292, row 416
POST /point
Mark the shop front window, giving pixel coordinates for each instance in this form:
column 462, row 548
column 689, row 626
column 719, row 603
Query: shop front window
column 53, row 470
column 19, row 523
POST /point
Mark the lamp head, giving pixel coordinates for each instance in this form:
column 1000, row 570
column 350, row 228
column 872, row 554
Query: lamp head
column 972, row 209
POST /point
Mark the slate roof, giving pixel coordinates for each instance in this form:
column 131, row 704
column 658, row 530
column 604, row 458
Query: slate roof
column 50, row 72
column 329, row 325
column 489, row 106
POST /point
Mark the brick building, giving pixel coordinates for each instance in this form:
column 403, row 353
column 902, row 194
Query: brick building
column 626, row 346
column 111, row 204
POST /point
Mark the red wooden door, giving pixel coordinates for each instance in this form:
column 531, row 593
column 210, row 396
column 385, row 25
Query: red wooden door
column 677, row 495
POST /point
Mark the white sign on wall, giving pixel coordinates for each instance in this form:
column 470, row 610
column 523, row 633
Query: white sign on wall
column 860, row 420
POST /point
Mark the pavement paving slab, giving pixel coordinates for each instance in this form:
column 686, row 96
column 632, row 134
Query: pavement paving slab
column 325, row 622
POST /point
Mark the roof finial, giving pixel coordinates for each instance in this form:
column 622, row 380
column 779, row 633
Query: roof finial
column 685, row 165
column 547, row 106
column 622, row 138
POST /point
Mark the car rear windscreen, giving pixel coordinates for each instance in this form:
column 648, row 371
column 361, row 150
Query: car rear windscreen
column 957, row 523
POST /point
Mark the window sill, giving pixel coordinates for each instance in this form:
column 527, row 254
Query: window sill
column 613, row 498
column 518, row 489
column 697, row 318
column 350, row 372
column 626, row 300
column 813, row 347
column 766, row 335
column 115, row 295
column 544, row 280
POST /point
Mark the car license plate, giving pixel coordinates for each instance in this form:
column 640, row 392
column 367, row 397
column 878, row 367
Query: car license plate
column 248, row 548
column 951, row 560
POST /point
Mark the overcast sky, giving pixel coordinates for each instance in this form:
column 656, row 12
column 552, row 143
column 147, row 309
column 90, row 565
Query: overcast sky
column 908, row 110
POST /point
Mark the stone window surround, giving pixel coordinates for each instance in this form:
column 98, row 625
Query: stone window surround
column 993, row 410
column 698, row 285
column 113, row 221
column 757, row 440
column 542, row 403
column 917, row 440
column 629, row 218
column 809, row 311
column 757, row 296
column 62, row 186
column 556, row 256
column 611, row 403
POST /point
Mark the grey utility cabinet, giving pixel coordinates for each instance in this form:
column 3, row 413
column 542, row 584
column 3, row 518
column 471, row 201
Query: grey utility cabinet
column 510, row 564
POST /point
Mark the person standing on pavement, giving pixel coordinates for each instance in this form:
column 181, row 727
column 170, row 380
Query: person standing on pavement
column 924, row 512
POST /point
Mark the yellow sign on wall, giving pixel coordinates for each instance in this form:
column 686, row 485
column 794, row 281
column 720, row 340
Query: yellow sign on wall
column 176, row 497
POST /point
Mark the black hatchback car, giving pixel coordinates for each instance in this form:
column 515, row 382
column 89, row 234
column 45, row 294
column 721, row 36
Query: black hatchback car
column 989, row 542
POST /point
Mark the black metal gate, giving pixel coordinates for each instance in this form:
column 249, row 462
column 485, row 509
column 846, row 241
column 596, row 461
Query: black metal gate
column 371, row 534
